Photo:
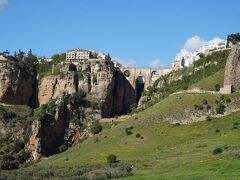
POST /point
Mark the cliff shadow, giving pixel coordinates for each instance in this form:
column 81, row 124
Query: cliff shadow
column 121, row 96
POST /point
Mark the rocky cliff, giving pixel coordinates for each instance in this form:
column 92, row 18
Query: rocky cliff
column 98, row 79
column 51, row 130
column 17, row 84
column 101, row 80
column 54, row 87
column 232, row 70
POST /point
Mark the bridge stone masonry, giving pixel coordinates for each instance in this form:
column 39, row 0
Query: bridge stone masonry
column 144, row 75
column 142, row 78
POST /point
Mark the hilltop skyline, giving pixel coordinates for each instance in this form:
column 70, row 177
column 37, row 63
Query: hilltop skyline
column 138, row 33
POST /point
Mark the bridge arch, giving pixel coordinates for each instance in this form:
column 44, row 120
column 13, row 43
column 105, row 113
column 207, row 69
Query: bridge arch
column 127, row 73
column 139, row 87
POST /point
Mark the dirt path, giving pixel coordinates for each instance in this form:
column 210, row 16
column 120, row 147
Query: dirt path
column 119, row 119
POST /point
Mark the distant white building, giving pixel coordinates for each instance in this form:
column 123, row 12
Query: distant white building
column 190, row 57
column 117, row 64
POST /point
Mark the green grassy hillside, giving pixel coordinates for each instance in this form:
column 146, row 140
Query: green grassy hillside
column 161, row 150
column 210, row 82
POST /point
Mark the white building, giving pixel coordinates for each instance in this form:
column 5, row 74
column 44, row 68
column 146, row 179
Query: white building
column 190, row 57
column 76, row 55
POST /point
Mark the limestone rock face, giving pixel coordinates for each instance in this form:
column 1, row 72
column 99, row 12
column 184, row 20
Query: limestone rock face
column 101, row 80
column 98, row 78
column 232, row 69
column 16, row 84
column 54, row 87
column 48, row 133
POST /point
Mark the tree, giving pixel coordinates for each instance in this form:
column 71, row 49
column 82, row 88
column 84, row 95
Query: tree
column 108, row 57
column 57, row 58
column 111, row 159
column 20, row 55
column 183, row 62
column 31, row 58
column 96, row 127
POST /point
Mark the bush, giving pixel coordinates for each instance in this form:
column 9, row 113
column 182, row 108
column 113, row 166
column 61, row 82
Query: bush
column 208, row 107
column 198, row 107
column 220, row 109
column 22, row 156
column 138, row 135
column 217, row 131
column 9, row 115
column 18, row 146
column 205, row 102
column 96, row 127
column 111, row 159
column 62, row 148
column 228, row 100
column 208, row 118
column 217, row 151
column 217, row 87
column 128, row 130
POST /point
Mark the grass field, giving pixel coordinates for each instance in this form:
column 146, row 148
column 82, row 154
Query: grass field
column 210, row 82
column 165, row 151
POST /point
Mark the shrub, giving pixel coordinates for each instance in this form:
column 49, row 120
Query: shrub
column 235, row 123
column 22, row 156
column 220, row 109
column 205, row 102
column 217, row 87
column 128, row 130
column 18, row 146
column 198, row 107
column 62, row 148
column 228, row 100
column 138, row 135
column 111, row 159
column 96, row 127
column 9, row 115
column 208, row 107
column 208, row 118
column 217, row 151
column 217, row 131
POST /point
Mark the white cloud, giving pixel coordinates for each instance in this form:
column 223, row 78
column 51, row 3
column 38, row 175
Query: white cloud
column 128, row 63
column 3, row 3
column 195, row 43
column 155, row 63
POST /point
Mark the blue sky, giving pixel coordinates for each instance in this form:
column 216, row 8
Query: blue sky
column 137, row 32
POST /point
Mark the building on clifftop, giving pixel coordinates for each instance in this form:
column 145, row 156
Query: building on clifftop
column 77, row 55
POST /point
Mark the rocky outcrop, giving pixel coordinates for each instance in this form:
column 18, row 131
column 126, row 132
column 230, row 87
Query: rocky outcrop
column 54, row 87
column 232, row 71
column 50, row 131
column 101, row 80
column 17, row 84
column 98, row 78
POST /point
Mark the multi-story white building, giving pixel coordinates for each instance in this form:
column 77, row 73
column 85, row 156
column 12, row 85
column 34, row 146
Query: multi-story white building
column 77, row 54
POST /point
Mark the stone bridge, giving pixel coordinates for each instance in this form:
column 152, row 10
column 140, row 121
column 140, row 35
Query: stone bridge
column 147, row 76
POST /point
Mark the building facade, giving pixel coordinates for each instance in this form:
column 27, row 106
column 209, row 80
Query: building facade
column 77, row 54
